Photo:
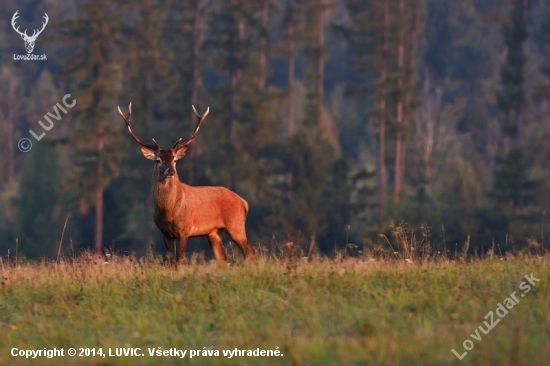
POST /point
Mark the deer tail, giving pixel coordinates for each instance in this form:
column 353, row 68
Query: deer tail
column 245, row 204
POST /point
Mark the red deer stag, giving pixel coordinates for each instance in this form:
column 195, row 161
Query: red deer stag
column 182, row 211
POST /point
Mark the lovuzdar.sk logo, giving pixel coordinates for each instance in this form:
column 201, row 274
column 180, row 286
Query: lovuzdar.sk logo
column 29, row 40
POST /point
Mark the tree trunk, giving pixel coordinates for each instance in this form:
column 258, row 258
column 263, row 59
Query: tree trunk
column 291, row 77
column 232, row 113
column 148, row 113
column 96, row 106
column 263, row 47
column 241, row 27
column 413, row 40
column 291, row 82
column 399, row 143
column 13, row 106
column 262, row 76
column 98, row 240
column 235, row 76
column 320, row 61
column 400, row 162
column 198, row 38
column 147, row 222
column 520, row 109
column 382, row 126
column 405, row 109
column 382, row 158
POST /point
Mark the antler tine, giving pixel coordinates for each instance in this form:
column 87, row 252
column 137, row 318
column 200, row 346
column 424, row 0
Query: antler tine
column 195, row 110
column 177, row 142
column 127, row 120
column 46, row 18
column 180, row 144
column 13, row 19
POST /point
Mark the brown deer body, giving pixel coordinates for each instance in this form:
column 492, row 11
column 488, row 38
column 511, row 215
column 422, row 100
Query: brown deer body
column 183, row 211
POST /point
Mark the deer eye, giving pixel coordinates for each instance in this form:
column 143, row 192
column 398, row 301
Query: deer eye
column 157, row 161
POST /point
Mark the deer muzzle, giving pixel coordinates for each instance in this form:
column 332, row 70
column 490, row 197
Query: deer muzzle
column 170, row 172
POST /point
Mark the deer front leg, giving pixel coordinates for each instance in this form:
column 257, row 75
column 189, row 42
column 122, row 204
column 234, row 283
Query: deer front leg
column 181, row 250
column 170, row 250
column 217, row 246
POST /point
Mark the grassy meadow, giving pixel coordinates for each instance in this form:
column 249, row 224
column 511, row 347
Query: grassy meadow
column 323, row 312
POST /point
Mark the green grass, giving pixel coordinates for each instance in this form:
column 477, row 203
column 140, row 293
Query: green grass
column 348, row 312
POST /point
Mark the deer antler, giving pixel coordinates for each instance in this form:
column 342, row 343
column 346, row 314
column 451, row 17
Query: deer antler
column 127, row 120
column 13, row 19
column 24, row 34
column 35, row 34
column 179, row 144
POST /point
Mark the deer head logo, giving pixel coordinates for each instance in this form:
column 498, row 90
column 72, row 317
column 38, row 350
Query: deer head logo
column 29, row 40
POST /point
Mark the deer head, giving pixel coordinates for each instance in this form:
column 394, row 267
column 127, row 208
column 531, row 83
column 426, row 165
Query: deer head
column 29, row 40
column 165, row 160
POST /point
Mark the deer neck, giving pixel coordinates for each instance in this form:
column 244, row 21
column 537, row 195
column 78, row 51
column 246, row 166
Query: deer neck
column 169, row 193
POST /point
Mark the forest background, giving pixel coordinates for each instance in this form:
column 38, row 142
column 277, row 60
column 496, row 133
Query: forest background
column 337, row 120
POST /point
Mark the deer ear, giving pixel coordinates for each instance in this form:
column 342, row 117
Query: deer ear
column 180, row 153
column 148, row 153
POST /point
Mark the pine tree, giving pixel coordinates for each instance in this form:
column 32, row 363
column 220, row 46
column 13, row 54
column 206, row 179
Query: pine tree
column 146, row 65
column 408, row 28
column 197, row 79
column 264, row 43
column 291, row 24
column 11, row 110
column 369, row 36
column 184, row 36
column 511, row 100
column 39, row 220
column 513, row 189
column 512, row 186
column 542, row 89
column 231, row 51
column 249, row 119
column 316, row 54
column 299, row 203
column 383, row 37
column 292, row 35
column 305, row 157
column 96, row 76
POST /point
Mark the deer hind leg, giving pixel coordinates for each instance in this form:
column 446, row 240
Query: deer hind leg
column 239, row 237
column 217, row 246
column 170, row 250
column 181, row 251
